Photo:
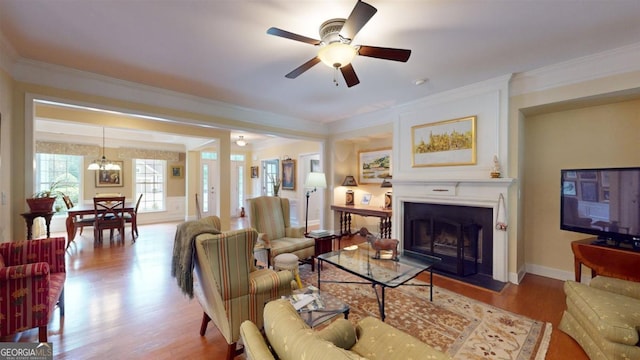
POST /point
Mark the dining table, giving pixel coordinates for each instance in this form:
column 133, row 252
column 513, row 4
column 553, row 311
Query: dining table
column 88, row 209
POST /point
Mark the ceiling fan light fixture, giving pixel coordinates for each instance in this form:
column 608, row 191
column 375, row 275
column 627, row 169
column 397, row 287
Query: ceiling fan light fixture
column 336, row 54
column 241, row 141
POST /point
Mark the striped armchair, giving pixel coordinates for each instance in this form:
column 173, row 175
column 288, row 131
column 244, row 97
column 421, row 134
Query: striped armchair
column 270, row 216
column 32, row 275
column 229, row 287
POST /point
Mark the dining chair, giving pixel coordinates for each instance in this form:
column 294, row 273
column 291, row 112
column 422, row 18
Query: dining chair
column 109, row 214
column 132, row 218
column 78, row 221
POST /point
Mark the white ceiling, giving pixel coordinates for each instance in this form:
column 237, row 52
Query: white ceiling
column 220, row 49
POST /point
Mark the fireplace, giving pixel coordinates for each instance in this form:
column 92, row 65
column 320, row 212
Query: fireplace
column 456, row 234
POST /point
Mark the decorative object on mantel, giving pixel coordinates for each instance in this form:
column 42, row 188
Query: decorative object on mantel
column 387, row 196
column 103, row 163
column 349, row 180
column 495, row 169
column 444, row 143
column 501, row 222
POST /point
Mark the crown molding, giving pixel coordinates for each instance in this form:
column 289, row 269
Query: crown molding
column 613, row 62
column 41, row 73
column 8, row 55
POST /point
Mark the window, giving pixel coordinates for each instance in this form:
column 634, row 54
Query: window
column 150, row 181
column 270, row 171
column 63, row 171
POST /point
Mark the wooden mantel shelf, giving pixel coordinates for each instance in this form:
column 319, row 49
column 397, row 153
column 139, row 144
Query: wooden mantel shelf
column 455, row 182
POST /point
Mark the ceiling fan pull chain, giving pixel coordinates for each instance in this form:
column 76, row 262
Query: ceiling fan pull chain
column 335, row 71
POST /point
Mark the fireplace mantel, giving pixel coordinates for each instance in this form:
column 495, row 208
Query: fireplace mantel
column 484, row 192
column 453, row 187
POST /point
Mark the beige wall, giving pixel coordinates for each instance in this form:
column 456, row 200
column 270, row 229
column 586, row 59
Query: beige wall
column 292, row 149
column 598, row 136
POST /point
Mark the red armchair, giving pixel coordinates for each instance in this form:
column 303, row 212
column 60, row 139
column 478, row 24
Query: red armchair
column 32, row 275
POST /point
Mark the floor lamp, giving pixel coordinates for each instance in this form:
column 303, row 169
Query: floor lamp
column 314, row 180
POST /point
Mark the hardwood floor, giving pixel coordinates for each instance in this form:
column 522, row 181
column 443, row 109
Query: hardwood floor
column 122, row 303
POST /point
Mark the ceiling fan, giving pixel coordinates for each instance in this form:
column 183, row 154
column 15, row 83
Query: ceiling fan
column 335, row 45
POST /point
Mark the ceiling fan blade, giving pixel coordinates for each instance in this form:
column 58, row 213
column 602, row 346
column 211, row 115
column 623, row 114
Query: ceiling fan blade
column 350, row 76
column 385, row 53
column 302, row 68
column 292, row 36
column 359, row 16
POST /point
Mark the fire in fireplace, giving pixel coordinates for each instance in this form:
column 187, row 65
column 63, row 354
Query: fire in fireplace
column 456, row 234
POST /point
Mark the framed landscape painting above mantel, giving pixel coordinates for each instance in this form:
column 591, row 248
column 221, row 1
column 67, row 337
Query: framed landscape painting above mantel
column 374, row 166
column 444, row 143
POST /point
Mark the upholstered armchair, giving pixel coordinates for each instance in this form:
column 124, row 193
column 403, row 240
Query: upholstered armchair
column 270, row 216
column 32, row 275
column 227, row 284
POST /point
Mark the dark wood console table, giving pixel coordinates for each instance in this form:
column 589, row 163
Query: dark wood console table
column 605, row 260
column 30, row 216
column 345, row 212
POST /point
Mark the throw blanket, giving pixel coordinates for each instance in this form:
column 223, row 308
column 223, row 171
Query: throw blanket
column 183, row 259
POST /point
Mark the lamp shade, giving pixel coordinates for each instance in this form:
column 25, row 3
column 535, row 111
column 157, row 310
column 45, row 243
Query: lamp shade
column 349, row 180
column 337, row 54
column 316, row 180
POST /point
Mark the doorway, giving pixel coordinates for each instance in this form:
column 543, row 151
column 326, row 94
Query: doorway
column 208, row 185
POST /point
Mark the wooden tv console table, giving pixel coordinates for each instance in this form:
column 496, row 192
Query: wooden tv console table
column 605, row 260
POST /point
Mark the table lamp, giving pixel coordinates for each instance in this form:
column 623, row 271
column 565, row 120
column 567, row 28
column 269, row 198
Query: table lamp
column 314, row 180
column 349, row 180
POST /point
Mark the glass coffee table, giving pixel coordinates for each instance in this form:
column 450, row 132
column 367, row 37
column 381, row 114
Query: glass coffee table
column 323, row 307
column 379, row 273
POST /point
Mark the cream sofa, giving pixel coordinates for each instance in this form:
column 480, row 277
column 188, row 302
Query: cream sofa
column 604, row 317
column 290, row 338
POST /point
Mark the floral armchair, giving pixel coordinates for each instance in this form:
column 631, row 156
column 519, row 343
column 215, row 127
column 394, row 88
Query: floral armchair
column 32, row 275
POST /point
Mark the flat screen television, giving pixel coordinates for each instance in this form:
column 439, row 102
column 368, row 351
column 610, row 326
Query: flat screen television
column 603, row 202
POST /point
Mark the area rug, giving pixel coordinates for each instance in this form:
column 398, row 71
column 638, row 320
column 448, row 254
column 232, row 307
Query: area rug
column 462, row 327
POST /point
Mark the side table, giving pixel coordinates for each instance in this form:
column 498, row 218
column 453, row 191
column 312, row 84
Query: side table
column 324, row 241
column 30, row 216
column 323, row 308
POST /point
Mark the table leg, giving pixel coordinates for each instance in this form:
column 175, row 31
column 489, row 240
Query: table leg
column 47, row 221
column 431, row 284
column 577, row 269
column 319, row 269
column 29, row 222
column 341, row 216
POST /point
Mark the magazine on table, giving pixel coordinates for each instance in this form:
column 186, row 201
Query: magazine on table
column 309, row 302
